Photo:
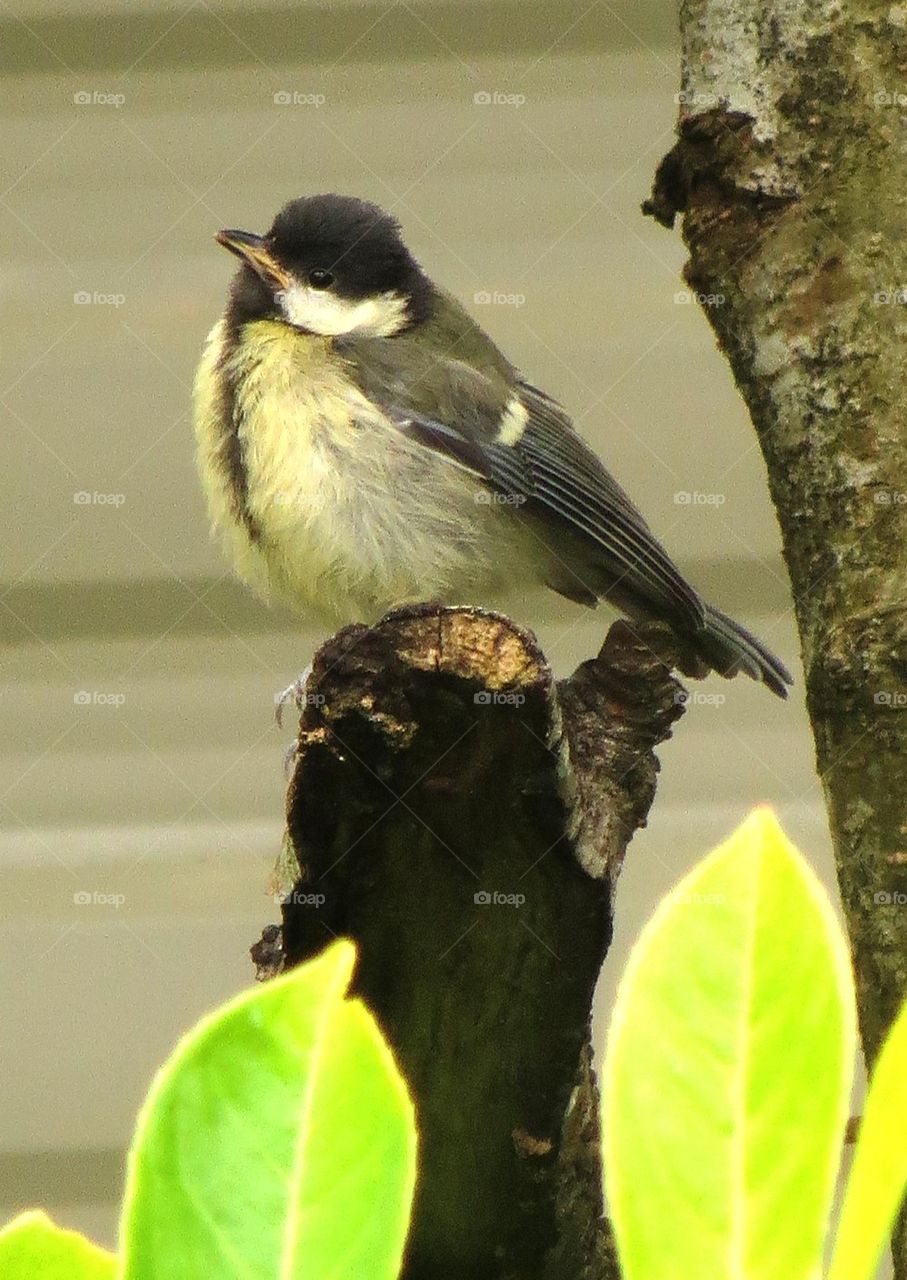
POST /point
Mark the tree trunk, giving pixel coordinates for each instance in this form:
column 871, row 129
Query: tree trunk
column 791, row 174
column 463, row 820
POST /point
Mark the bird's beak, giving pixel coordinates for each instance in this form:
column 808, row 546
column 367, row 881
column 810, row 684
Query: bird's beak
column 253, row 250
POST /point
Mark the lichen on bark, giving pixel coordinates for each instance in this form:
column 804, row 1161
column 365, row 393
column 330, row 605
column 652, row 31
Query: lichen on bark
column 790, row 171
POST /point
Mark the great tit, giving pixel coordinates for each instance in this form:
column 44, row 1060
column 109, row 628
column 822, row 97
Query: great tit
column 364, row 444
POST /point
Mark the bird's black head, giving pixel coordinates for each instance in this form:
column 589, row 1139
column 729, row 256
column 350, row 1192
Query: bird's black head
column 331, row 265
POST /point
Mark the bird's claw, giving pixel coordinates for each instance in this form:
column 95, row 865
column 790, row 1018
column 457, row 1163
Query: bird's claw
column 294, row 692
column 289, row 759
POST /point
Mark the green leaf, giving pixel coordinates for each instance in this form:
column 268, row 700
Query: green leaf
column 728, row 1071
column 34, row 1248
column 878, row 1175
column 278, row 1142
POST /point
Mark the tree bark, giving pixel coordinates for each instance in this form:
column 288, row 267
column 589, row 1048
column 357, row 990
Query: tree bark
column 791, row 175
column 463, row 819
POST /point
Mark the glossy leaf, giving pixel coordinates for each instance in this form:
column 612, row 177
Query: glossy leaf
column 728, row 1071
column 278, row 1142
column 34, row 1248
column 878, row 1175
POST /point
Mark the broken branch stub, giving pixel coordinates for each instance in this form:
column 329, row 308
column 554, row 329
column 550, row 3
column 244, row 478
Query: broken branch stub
column 462, row 818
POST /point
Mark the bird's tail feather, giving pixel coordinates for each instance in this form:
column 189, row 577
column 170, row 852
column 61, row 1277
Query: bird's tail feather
column 729, row 648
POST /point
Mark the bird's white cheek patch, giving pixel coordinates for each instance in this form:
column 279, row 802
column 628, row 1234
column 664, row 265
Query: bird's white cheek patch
column 322, row 311
column 513, row 423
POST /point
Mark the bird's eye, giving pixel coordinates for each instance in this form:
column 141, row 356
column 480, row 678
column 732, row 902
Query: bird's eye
column 320, row 279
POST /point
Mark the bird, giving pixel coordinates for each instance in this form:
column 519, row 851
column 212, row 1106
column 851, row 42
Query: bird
column 364, row 444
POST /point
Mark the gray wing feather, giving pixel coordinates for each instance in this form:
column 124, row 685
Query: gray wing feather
column 558, row 477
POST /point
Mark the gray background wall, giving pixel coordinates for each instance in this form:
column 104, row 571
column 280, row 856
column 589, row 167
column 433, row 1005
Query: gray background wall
column 164, row 788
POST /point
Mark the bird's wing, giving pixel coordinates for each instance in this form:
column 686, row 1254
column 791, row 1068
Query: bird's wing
column 520, row 442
